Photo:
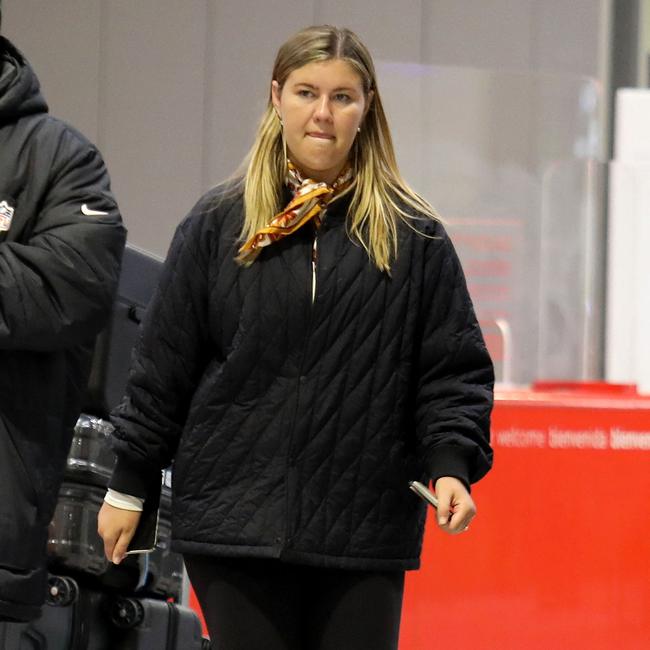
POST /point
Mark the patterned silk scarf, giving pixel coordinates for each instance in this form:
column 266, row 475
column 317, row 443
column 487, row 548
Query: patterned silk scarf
column 310, row 198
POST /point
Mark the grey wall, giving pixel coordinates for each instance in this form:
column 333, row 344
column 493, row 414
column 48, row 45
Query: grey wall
column 171, row 90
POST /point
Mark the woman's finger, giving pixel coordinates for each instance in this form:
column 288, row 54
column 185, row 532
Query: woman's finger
column 121, row 547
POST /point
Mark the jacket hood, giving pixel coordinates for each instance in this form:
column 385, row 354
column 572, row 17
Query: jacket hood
column 20, row 91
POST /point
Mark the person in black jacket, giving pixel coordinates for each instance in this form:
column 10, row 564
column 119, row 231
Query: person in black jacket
column 61, row 242
column 311, row 349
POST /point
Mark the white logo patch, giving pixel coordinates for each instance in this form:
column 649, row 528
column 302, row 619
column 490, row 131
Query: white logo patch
column 91, row 213
column 6, row 215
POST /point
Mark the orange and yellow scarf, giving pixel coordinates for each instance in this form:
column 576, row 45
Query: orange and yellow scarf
column 310, row 198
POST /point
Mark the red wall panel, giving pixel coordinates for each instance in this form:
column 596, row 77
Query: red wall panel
column 559, row 555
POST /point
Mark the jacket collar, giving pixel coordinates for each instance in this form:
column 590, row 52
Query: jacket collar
column 20, row 92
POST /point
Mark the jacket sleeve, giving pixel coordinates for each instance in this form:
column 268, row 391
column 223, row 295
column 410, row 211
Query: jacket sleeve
column 455, row 375
column 167, row 363
column 57, row 286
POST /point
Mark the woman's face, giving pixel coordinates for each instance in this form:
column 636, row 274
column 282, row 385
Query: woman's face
column 321, row 106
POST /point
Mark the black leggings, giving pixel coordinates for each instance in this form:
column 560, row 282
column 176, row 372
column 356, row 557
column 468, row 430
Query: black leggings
column 258, row 604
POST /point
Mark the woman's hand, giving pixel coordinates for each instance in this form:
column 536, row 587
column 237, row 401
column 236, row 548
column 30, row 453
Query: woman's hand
column 456, row 508
column 116, row 527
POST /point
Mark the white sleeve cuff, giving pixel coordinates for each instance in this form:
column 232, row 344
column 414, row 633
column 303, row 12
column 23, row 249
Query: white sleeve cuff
column 123, row 501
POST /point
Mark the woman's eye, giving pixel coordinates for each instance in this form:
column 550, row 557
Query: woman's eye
column 304, row 93
column 342, row 98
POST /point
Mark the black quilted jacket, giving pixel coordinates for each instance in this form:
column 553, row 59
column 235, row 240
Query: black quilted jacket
column 294, row 427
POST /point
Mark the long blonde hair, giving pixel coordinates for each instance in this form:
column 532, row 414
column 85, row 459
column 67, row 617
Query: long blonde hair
column 380, row 194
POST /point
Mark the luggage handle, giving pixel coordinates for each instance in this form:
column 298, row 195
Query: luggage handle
column 135, row 313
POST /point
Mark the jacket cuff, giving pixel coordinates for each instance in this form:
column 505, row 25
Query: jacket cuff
column 137, row 479
column 123, row 501
column 448, row 461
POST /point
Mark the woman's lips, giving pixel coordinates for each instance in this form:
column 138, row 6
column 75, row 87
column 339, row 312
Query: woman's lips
column 320, row 136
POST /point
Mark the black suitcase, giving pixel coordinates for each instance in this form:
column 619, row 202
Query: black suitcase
column 112, row 353
column 72, row 619
column 145, row 624
column 78, row 618
column 74, row 546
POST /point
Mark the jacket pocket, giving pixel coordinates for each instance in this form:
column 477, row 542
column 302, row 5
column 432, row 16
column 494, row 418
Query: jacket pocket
column 21, row 539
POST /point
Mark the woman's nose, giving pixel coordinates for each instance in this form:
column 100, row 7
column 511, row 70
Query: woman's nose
column 323, row 111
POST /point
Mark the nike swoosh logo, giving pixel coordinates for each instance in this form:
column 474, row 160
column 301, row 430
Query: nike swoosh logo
column 91, row 213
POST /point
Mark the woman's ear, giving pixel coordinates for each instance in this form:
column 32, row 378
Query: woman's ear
column 276, row 91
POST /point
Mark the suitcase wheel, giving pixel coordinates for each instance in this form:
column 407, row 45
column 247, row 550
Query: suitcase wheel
column 61, row 591
column 126, row 612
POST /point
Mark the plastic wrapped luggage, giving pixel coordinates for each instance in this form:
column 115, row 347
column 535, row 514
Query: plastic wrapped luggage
column 91, row 459
column 74, row 546
column 73, row 541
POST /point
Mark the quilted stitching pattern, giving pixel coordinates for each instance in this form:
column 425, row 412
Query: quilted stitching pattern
column 298, row 426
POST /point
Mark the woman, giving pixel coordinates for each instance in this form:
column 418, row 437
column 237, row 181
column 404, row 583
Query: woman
column 300, row 369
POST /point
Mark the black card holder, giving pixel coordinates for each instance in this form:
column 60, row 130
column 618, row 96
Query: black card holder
column 146, row 534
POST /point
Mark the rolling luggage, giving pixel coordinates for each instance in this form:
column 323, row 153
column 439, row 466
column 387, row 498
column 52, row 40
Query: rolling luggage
column 78, row 618
column 74, row 547
column 93, row 604
column 73, row 543
column 72, row 619
column 112, row 353
column 142, row 624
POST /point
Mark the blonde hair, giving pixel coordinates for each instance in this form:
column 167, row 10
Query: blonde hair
column 380, row 194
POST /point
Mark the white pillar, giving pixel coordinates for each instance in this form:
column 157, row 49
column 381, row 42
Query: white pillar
column 627, row 353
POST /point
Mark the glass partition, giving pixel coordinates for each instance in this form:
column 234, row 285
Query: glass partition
column 510, row 161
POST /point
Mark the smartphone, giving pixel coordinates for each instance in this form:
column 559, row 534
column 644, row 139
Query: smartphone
column 424, row 492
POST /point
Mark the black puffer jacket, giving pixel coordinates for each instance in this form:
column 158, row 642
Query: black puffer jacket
column 58, row 273
column 295, row 427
